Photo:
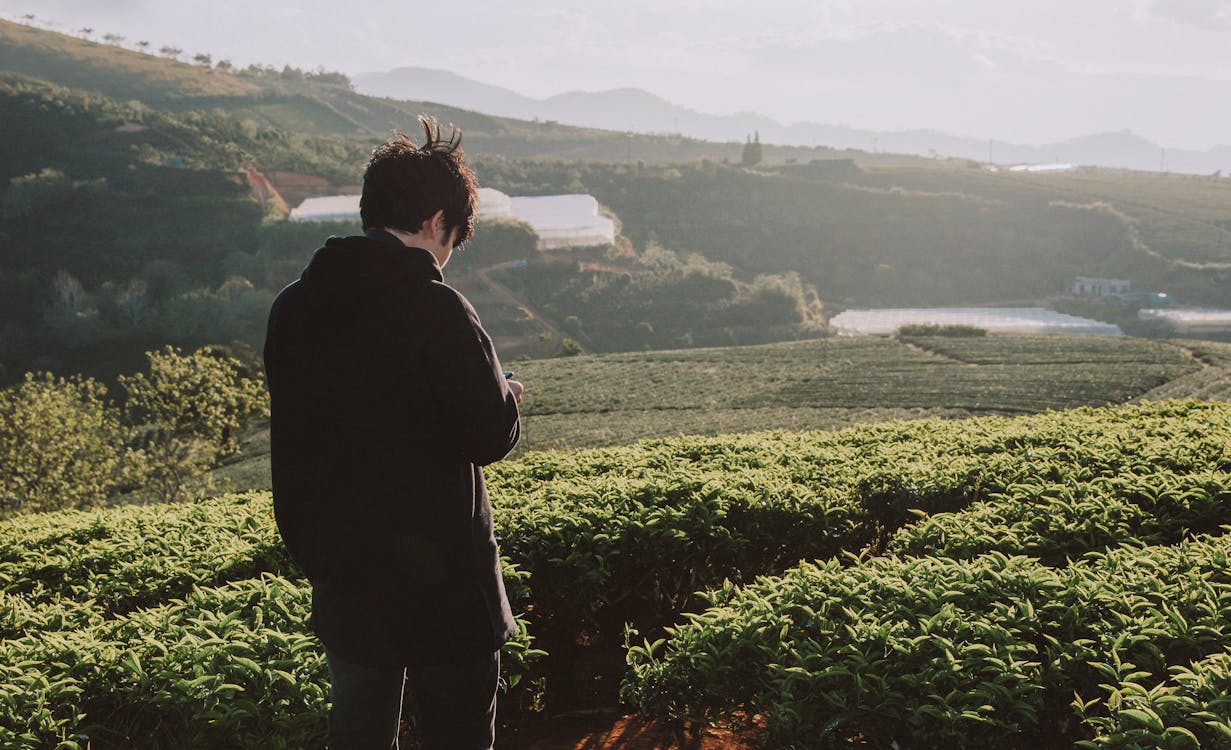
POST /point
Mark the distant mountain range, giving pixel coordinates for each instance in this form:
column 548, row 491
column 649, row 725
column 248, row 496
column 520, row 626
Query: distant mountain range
column 635, row 110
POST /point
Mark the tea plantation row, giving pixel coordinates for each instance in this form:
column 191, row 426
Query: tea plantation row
column 822, row 384
column 184, row 625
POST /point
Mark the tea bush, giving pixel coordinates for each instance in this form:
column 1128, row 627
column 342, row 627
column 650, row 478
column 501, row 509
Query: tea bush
column 170, row 626
column 1055, row 520
column 599, row 540
column 985, row 652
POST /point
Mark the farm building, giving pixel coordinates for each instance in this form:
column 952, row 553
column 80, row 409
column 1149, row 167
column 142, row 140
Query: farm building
column 494, row 204
column 558, row 220
column 327, row 208
column 1088, row 286
column 998, row 319
column 564, row 220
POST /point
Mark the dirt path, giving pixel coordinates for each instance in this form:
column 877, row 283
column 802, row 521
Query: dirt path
column 609, row 730
column 507, row 295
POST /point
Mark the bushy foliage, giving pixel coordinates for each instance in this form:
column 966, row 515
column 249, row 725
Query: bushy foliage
column 41, row 190
column 171, row 626
column 200, row 395
column 62, row 445
column 500, row 241
column 187, row 620
column 933, row 329
column 977, row 630
column 934, row 652
column 669, row 301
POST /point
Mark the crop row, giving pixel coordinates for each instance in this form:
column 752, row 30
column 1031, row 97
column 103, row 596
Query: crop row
column 1107, row 352
column 134, row 556
column 1121, row 649
column 226, row 666
column 1012, row 373
column 595, row 540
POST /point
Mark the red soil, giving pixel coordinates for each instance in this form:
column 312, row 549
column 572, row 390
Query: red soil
column 609, row 730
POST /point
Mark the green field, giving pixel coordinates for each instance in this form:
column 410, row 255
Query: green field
column 995, row 582
column 834, row 382
column 613, row 399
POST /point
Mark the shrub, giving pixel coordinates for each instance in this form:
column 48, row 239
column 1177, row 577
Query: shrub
column 995, row 651
column 933, row 329
column 181, row 625
column 500, row 241
column 61, row 445
column 202, row 395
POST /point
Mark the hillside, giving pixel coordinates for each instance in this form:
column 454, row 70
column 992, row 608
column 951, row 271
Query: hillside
column 321, row 104
column 907, row 236
column 152, row 187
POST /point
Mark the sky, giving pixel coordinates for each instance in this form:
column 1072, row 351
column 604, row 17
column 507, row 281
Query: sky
column 1026, row 72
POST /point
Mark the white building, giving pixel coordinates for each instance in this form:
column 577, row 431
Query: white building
column 997, row 319
column 564, row 220
column 327, row 208
column 1088, row 286
column 558, row 220
column 1193, row 321
column 494, row 204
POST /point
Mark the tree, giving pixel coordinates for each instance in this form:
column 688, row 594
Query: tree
column 170, row 52
column 70, row 314
column 144, row 45
column 202, row 395
column 86, row 32
column 752, row 151
column 500, row 241
column 61, row 445
column 114, row 39
column 133, row 301
column 203, row 58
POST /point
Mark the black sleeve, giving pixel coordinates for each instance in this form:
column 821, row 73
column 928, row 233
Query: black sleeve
column 464, row 375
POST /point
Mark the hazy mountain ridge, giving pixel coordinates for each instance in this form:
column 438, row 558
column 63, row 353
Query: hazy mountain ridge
column 628, row 109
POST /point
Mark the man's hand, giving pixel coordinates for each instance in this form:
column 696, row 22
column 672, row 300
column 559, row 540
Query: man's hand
column 516, row 388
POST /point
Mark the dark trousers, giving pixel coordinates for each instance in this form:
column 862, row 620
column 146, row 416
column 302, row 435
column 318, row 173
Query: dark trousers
column 455, row 703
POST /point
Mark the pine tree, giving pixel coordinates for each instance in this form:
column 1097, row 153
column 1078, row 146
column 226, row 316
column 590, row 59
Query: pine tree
column 752, row 150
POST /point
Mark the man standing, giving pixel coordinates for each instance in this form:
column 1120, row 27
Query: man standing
column 386, row 398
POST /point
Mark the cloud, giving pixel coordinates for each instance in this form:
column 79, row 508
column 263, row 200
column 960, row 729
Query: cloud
column 1213, row 15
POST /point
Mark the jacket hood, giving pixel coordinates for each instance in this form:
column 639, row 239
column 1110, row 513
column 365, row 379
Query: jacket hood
column 348, row 269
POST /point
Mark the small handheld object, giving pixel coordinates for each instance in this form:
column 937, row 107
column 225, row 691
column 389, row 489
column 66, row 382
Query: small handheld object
column 508, row 374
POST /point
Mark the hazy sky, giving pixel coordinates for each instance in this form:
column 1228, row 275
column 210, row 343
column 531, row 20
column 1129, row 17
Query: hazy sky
column 1028, row 72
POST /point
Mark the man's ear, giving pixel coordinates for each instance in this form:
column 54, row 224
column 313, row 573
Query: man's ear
column 433, row 226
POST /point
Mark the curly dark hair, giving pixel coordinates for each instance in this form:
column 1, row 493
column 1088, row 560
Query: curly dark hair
column 405, row 185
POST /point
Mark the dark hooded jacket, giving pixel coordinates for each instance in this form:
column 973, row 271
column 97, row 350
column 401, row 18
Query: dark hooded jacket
column 386, row 398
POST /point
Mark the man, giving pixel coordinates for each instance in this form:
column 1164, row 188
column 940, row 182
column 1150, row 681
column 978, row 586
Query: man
column 387, row 397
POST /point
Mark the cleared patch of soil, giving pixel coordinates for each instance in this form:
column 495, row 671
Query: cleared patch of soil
column 610, row 729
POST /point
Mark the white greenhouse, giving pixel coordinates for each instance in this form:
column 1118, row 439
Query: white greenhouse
column 1195, row 320
column 564, row 220
column 558, row 220
column 494, row 204
column 327, row 208
column 997, row 319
